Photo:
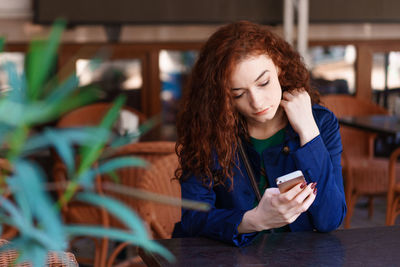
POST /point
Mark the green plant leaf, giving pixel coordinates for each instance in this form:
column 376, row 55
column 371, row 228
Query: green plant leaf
column 30, row 234
column 38, row 256
column 36, row 112
column 121, row 162
column 15, row 141
column 114, row 177
column 11, row 120
column 143, row 129
column 86, row 178
column 118, row 209
column 28, row 181
column 70, row 85
column 64, row 140
column 74, row 136
column 7, row 219
column 89, row 154
column 15, row 215
column 41, row 112
column 41, row 58
column 85, row 95
column 63, row 148
column 23, row 205
column 149, row 124
column 44, row 238
column 2, row 42
column 32, row 253
column 119, row 235
column 118, row 141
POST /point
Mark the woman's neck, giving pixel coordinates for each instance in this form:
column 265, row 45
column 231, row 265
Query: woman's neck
column 269, row 128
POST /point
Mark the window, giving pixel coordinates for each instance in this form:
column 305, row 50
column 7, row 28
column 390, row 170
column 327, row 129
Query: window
column 385, row 78
column 332, row 68
column 114, row 77
column 10, row 60
column 174, row 67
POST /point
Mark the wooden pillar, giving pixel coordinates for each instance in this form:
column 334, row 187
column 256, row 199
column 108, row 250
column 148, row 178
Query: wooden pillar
column 151, row 96
column 364, row 71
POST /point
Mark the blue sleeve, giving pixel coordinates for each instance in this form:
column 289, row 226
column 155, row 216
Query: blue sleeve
column 219, row 224
column 319, row 160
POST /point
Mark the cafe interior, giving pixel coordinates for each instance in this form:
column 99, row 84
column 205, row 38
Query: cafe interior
column 144, row 52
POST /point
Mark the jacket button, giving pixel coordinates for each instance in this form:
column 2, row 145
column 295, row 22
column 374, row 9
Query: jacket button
column 286, row 150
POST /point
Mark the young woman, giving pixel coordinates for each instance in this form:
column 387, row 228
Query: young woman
column 248, row 84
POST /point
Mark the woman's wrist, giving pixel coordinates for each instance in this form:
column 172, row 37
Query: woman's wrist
column 250, row 222
column 308, row 135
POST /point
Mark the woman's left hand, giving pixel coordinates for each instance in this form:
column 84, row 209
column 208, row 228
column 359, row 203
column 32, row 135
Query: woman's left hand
column 297, row 105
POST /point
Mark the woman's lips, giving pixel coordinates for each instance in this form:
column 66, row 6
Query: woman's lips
column 262, row 112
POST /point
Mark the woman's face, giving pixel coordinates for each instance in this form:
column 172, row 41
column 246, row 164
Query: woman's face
column 256, row 89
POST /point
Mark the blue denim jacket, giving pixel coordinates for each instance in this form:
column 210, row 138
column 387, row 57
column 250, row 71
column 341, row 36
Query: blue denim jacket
column 319, row 160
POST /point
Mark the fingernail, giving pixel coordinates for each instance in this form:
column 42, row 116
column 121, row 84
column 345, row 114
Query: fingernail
column 303, row 185
column 313, row 185
column 315, row 191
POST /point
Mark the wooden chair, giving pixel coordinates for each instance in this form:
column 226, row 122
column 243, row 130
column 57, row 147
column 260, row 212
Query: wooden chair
column 393, row 199
column 89, row 115
column 157, row 178
column 163, row 161
column 9, row 232
column 364, row 174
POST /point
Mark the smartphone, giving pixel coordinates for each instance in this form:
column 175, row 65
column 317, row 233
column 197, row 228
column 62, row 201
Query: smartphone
column 288, row 181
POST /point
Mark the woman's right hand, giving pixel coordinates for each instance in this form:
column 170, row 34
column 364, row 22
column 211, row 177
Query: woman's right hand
column 276, row 209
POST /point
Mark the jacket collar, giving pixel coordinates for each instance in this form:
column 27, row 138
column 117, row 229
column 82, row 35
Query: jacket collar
column 272, row 154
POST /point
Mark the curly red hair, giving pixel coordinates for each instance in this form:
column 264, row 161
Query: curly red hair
column 208, row 124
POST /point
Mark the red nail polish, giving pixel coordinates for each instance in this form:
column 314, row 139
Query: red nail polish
column 303, row 185
column 313, row 185
column 315, row 191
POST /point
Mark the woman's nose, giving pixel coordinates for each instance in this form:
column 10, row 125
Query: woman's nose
column 255, row 100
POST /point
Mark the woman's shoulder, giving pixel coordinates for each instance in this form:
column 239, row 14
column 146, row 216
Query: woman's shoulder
column 323, row 113
column 328, row 125
column 325, row 119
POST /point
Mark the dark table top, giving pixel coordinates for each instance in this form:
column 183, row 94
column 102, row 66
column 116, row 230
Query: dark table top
column 384, row 124
column 379, row 246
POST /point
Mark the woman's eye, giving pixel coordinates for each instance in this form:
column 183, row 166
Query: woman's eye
column 264, row 84
column 238, row 96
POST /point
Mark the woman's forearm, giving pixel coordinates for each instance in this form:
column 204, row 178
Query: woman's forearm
column 249, row 223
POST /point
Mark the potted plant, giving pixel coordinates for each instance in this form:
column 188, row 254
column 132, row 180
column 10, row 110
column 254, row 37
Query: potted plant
column 32, row 100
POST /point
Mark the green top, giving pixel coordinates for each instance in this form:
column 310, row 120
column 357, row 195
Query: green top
column 260, row 145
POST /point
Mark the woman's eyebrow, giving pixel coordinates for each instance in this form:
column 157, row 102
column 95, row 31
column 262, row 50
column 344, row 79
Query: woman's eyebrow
column 259, row 76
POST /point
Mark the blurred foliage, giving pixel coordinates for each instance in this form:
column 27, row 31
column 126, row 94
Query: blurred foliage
column 36, row 98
